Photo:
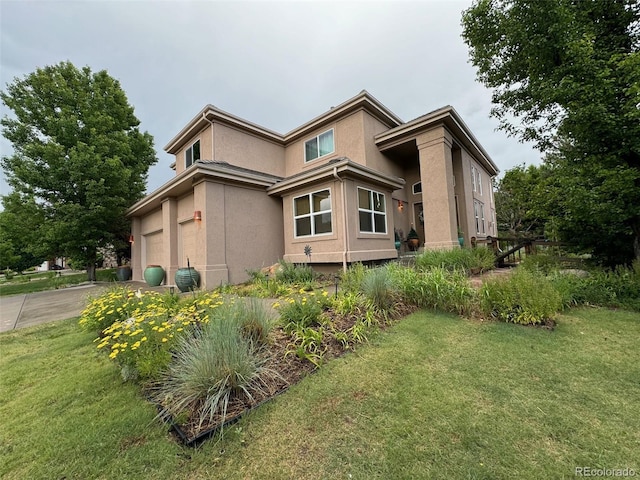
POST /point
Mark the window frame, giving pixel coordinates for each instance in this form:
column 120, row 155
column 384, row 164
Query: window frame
column 478, row 213
column 311, row 214
column 317, row 140
column 191, row 161
column 372, row 212
column 413, row 188
column 473, row 178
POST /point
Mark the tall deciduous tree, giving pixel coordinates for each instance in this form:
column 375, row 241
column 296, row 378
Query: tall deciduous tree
column 570, row 70
column 79, row 152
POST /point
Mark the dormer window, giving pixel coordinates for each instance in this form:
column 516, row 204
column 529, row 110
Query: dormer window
column 192, row 154
column 319, row 146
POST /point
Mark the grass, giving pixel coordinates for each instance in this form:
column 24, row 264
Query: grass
column 433, row 397
column 21, row 284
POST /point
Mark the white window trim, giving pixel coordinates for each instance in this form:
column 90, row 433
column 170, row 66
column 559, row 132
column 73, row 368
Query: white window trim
column 311, row 214
column 413, row 188
column 373, row 212
column 190, row 148
column 479, row 180
column 317, row 138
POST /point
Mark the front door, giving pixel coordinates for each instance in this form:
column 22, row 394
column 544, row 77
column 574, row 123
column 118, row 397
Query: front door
column 418, row 220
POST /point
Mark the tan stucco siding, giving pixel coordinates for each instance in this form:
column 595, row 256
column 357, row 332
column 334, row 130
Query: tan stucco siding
column 247, row 151
column 365, row 246
column 204, row 136
column 348, row 142
column 254, row 231
column 187, row 243
column 374, row 158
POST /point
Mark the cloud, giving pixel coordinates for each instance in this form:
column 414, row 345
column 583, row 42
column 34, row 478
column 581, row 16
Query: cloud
column 277, row 64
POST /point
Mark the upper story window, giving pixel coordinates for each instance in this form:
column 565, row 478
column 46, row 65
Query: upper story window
column 473, row 179
column 319, row 146
column 417, row 188
column 372, row 211
column 192, row 154
column 312, row 214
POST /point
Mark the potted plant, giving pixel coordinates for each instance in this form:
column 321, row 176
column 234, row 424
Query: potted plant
column 153, row 275
column 398, row 242
column 413, row 241
column 123, row 272
column 187, row 279
column 460, row 237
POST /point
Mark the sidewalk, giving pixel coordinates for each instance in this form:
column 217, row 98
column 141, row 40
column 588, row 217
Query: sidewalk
column 26, row 310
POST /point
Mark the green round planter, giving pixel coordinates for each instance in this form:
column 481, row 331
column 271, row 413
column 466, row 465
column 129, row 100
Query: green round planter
column 187, row 279
column 123, row 273
column 153, row 275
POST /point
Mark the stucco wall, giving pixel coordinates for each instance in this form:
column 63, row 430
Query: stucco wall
column 247, row 151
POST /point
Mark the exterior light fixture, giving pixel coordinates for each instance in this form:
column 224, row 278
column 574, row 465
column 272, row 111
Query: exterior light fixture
column 197, row 216
column 131, row 239
column 400, row 205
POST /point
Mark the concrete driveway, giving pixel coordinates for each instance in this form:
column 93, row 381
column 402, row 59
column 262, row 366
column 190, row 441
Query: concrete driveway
column 26, row 310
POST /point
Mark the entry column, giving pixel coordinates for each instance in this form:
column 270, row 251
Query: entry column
column 438, row 196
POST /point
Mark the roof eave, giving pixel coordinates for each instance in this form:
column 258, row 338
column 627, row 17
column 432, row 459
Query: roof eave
column 341, row 167
column 364, row 100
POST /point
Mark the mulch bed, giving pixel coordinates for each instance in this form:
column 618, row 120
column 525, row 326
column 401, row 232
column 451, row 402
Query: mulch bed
column 290, row 369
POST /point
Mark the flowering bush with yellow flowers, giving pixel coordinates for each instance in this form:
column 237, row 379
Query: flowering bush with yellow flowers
column 302, row 309
column 146, row 328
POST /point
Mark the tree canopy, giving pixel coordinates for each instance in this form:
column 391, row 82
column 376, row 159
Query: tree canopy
column 78, row 152
column 569, row 73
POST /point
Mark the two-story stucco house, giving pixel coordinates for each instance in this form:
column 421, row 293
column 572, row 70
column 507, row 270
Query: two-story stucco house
column 244, row 197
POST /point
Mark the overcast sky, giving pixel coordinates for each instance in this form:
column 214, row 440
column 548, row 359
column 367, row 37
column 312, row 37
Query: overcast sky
column 277, row 64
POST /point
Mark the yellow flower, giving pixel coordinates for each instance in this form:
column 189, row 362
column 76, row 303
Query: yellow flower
column 114, row 354
column 164, row 339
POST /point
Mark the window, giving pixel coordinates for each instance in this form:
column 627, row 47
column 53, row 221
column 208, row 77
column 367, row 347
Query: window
column 372, row 211
column 312, row 214
column 478, row 210
column 417, row 188
column 192, row 154
column 473, row 178
column 318, row 146
column 479, row 181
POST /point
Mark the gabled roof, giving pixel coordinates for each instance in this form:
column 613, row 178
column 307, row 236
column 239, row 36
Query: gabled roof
column 364, row 100
column 447, row 116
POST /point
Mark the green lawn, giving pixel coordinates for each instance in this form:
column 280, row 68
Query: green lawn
column 21, row 284
column 435, row 396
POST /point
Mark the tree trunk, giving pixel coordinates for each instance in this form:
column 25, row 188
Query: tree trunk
column 636, row 241
column 91, row 272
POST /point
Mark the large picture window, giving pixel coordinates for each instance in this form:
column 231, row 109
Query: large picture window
column 312, row 214
column 192, row 154
column 372, row 211
column 319, row 146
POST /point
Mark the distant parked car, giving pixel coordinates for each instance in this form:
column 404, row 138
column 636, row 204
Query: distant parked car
column 56, row 267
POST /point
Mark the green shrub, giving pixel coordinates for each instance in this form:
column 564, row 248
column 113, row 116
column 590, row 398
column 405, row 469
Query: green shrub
column 467, row 259
column 607, row 288
column 378, row 287
column 351, row 280
column 435, row 288
column 292, row 273
column 255, row 320
column 525, row 297
column 303, row 310
column 209, row 368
